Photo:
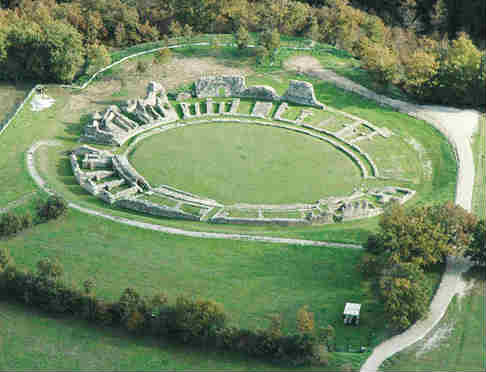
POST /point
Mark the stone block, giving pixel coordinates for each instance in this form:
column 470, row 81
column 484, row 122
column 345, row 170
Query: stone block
column 301, row 92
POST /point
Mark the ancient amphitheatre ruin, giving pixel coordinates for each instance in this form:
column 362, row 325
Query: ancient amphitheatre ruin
column 112, row 178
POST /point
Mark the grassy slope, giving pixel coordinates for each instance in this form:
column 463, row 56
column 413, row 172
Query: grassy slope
column 479, row 148
column 11, row 95
column 464, row 349
column 35, row 341
column 262, row 278
column 246, row 163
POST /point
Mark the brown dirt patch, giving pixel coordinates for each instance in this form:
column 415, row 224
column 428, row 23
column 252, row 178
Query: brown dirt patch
column 126, row 83
column 302, row 64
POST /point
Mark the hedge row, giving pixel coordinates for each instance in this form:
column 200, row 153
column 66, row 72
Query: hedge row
column 188, row 321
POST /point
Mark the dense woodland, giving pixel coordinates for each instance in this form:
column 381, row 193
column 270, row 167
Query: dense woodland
column 430, row 48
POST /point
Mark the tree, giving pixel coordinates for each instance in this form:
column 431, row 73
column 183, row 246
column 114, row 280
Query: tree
column 405, row 295
column 305, row 321
column 380, row 61
column 417, row 235
column 313, row 32
column 48, row 269
column 163, row 56
column 477, row 249
column 270, row 40
column 242, row 37
column 460, row 70
column 10, row 224
column 5, row 259
column 97, row 57
column 54, row 207
column 421, row 69
column 456, row 222
column 175, row 29
column 197, row 320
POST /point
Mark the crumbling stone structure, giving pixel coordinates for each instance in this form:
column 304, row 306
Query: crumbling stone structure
column 116, row 124
column 301, row 92
column 112, row 178
column 220, row 86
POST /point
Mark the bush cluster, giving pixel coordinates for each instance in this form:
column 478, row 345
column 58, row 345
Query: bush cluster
column 188, row 321
column 53, row 208
column 409, row 243
column 12, row 223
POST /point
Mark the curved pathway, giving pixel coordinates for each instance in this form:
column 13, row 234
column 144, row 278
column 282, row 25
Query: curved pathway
column 170, row 230
column 458, row 126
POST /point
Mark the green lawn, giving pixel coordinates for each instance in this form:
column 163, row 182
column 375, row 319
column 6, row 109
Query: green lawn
column 479, row 149
column 11, row 95
column 458, row 343
column 159, row 199
column 252, row 280
column 245, row 163
column 32, row 340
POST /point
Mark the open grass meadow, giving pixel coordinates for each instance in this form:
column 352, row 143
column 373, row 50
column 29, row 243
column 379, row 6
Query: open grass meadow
column 251, row 280
column 234, row 162
column 31, row 340
column 458, row 343
column 11, row 95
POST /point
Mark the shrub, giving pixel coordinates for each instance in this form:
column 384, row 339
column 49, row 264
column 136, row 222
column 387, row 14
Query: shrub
column 26, row 220
column 242, row 37
column 163, row 56
column 49, row 269
column 53, row 208
column 97, row 57
column 477, row 249
column 196, row 321
column 142, row 66
column 10, row 224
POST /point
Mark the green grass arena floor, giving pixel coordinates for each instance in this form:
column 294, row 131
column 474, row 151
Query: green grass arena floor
column 246, row 163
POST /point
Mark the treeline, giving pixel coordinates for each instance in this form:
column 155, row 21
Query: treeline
column 70, row 36
column 412, row 242
column 187, row 321
column 427, row 16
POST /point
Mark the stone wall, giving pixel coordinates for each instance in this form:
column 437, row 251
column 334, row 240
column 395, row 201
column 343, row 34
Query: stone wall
column 301, row 92
column 260, row 92
column 144, row 206
column 259, row 221
column 125, row 170
column 211, row 86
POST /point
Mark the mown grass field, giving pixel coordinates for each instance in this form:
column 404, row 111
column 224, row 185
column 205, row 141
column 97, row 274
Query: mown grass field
column 11, row 95
column 458, row 343
column 234, row 162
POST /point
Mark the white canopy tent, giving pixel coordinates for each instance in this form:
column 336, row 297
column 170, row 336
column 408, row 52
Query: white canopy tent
column 351, row 313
